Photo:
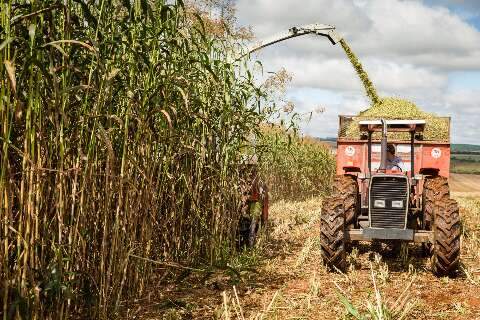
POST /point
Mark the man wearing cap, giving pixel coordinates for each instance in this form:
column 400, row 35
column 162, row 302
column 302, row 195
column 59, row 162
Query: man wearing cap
column 393, row 162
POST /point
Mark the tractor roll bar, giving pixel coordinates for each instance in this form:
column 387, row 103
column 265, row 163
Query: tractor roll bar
column 412, row 154
column 382, row 125
column 383, row 159
column 370, row 152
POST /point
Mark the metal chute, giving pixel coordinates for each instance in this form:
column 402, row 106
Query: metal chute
column 316, row 28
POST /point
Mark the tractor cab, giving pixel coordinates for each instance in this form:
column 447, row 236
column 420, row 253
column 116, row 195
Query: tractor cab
column 388, row 152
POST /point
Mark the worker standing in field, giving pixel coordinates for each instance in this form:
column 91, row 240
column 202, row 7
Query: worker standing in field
column 393, row 162
column 255, row 206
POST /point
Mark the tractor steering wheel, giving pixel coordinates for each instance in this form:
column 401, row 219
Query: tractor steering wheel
column 399, row 168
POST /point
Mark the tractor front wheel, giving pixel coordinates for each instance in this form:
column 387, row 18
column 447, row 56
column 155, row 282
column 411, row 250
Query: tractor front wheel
column 446, row 246
column 332, row 233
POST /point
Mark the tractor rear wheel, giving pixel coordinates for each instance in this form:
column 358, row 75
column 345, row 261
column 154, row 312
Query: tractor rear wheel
column 446, row 227
column 332, row 233
column 434, row 189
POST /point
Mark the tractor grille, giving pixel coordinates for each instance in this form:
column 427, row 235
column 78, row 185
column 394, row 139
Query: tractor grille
column 392, row 190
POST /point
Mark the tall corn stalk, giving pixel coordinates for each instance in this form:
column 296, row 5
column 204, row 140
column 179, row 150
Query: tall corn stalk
column 122, row 125
column 295, row 167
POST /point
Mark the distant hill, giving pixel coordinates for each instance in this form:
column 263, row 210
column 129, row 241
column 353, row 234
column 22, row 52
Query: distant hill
column 465, row 148
column 331, row 139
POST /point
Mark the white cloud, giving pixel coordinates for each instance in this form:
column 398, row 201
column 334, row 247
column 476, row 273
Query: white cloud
column 338, row 74
column 393, row 77
column 407, row 27
column 402, row 31
column 272, row 16
column 408, row 48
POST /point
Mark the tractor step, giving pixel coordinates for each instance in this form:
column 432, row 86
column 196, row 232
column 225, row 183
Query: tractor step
column 369, row 234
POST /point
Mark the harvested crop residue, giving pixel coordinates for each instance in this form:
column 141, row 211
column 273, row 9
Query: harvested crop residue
column 436, row 128
column 284, row 278
column 357, row 65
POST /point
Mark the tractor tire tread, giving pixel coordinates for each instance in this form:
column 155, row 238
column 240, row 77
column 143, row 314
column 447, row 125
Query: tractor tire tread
column 447, row 230
column 332, row 233
column 346, row 186
column 434, row 189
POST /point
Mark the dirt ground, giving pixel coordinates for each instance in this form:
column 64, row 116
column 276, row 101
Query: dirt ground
column 469, row 183
column 283, row 278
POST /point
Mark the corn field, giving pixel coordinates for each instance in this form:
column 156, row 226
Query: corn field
column 122, row 125
column 295, row 167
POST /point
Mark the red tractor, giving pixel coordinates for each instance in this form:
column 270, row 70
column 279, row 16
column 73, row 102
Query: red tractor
column 407, row 201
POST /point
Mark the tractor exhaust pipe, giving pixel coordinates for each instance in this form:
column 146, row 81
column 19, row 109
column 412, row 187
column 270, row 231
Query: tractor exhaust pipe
column 383, row 159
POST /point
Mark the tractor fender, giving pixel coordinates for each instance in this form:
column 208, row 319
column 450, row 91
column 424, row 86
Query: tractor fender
column 349, row 169
column 430, row 171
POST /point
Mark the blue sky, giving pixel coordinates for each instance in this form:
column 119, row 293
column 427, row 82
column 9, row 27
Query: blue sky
column 469, row 10
column 424, row 51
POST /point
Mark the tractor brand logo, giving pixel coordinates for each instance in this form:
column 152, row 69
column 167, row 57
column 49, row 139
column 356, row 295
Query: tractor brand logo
column 436, row 153
column 350, row 151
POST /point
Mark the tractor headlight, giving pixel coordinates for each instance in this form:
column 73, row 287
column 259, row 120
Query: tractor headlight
column 379, row 204
column 397, row 204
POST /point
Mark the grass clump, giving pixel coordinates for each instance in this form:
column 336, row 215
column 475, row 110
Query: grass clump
column 380, row 308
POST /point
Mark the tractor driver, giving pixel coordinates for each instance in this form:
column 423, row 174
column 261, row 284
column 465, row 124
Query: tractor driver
column 393, row 162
